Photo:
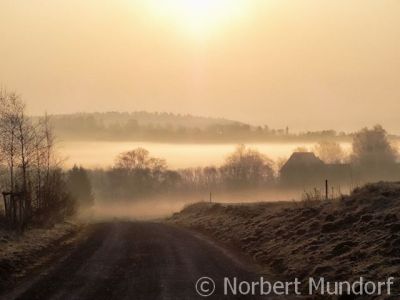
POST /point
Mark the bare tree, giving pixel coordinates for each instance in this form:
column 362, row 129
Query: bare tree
column 330, row 152
column 247, row 167
column 372, row 147
column 27, row 151
column 373, row 154
column 140, row 159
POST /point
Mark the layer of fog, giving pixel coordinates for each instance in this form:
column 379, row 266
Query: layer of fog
column 161, row 207
column 102, row 154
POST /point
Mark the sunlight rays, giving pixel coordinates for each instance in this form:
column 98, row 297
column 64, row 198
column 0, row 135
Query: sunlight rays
column 199, row 18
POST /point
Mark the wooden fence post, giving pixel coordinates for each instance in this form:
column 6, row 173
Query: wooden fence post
column 326, row 190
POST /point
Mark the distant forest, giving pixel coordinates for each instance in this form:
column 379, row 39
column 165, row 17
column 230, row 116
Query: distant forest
column 169, row 127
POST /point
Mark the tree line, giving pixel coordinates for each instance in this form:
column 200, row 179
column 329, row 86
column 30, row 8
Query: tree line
column 136, row 173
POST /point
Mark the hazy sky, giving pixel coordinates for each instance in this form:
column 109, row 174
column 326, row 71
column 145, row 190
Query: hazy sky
column 304, row 63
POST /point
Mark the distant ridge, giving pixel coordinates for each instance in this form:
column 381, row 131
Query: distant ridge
column 144, row 118
column 181, row 128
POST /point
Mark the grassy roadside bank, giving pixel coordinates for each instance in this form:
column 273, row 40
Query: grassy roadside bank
column 357, row 235
column 21, row 255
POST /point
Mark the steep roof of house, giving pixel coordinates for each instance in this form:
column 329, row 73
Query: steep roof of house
column 303, row 159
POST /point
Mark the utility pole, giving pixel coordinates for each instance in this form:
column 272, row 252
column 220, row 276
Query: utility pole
column 210, row 197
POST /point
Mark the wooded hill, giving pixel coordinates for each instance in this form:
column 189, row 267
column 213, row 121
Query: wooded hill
column 169, row 127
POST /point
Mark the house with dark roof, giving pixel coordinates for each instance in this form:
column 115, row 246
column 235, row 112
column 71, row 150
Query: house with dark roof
column 305, row 169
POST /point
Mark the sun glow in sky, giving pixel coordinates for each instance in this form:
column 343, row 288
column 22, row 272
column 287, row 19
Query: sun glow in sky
column 199, row 17
column 296, row 63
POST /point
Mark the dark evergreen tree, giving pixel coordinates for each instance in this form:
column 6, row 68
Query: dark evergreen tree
column 80, row 186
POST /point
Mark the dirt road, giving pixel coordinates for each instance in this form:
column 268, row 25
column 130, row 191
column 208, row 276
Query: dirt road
column 126, row 260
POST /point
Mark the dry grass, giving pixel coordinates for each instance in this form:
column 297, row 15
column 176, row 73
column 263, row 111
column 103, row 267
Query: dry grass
column 20, row 254
column 353, row 236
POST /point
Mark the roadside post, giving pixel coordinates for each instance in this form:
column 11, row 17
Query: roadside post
column 326, row 190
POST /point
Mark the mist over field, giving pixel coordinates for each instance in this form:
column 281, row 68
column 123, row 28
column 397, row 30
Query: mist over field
column 162, row 206
column 140, row 185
